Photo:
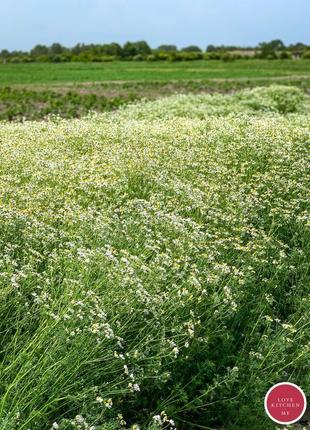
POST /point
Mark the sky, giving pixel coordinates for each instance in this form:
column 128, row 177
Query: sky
column 25, row 23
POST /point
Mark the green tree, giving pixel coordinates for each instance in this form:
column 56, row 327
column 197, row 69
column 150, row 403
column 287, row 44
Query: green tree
column 4, row 53
column 270, row 49
column 56, row 48
column 113, row 49
column 39, row 50
column 131, row 49
column 211, row 48
column 191, row 48
column 167, row 48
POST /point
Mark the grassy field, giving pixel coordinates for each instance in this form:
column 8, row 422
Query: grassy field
column 34, row 91
column 155, row 263
column 40, row 73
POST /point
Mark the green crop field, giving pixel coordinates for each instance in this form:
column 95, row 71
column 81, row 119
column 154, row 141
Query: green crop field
column 34, row 91
column 40, row 73
column 154, row 260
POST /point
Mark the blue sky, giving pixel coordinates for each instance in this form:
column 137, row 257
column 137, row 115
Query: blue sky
column 25, row 23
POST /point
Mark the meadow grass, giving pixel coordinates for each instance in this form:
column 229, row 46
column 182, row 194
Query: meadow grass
column 47, row 73
column 155, row 263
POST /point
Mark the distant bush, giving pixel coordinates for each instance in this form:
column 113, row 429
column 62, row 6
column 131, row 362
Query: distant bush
column 214, row 55
column 306, row 55
column 227, row 57
column 271, row 56
column 152, row 57
column 42, row 58
column 162, row 55
column 96, row 59
column 174, row 56
column 191, row 55
column 138, row 57
column 108, row 58
column 57, row 58
column 16, row 60
column 285, row 55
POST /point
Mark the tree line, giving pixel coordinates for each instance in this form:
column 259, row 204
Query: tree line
column 141, row 51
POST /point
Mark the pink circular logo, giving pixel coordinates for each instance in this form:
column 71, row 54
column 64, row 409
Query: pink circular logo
column 285, row 403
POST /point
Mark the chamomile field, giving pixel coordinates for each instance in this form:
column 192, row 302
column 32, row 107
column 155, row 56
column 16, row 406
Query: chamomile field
column 155, row 263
